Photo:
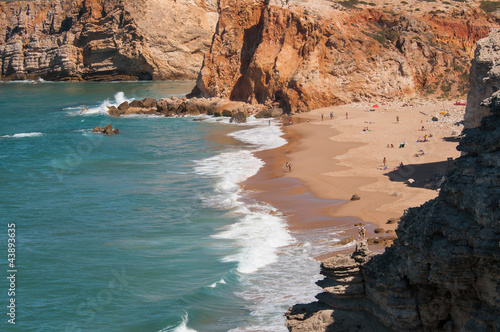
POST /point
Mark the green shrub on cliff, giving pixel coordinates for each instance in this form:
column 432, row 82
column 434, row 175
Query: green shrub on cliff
column 489, row 6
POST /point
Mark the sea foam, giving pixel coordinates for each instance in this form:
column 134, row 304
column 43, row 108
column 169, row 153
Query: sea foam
column 275, row 270
column 257, row 233
column 21, row 135
column 101, row 109
column 182, row 327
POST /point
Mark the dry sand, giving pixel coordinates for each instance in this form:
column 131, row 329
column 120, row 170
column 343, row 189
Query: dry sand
column 335, row 158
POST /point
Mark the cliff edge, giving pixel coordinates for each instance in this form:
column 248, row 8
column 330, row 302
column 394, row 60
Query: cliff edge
column 442, row 273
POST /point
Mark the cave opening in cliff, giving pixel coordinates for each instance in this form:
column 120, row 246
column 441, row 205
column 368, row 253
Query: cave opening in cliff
column 145, row 76
column 280, row 102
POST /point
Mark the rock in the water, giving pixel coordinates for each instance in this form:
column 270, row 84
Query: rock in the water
column 239, row 117
column 108, row 130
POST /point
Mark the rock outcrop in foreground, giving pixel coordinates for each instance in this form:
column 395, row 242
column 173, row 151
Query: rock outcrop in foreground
column 302, row 55
column 105, row 39
column 443, row 271
column 484, row 77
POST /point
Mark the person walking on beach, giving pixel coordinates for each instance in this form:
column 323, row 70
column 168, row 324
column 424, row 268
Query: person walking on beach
column 289, row 167
column 363, row 232
column 397, row 118
column 346, row 115
column 385, row 161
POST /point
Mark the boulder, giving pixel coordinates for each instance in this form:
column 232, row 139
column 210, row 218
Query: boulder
column 116, row 112
column 355, row 197
column 124, row 106
column 239, row 117
column 136, row 103
column 149, row 102
column 108, row 130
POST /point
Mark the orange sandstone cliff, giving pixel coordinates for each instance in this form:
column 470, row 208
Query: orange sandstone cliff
column 105, row 39
column 303, row 55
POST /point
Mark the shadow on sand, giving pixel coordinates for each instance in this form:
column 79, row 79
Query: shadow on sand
column 421, row 174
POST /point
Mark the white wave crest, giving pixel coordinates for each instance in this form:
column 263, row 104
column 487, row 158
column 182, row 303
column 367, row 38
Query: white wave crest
column 102, row 108
column 182, row 327
column 222, row 281
column 21, row 135
column 257, row 233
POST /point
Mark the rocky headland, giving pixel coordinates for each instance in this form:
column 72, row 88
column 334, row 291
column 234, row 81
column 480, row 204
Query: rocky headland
column 174, row 106
column 105, row 39
column 442, row 273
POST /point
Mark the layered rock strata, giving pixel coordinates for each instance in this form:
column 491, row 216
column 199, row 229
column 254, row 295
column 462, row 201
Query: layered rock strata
column 104, row 39
column 484, row 77
column 443, row 271
column 303, row 55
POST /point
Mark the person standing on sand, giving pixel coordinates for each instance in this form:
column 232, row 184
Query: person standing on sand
column 346, row 115
column 321, row 117
column 363, row 232
column 397, row 118
column 385, row 161
column 289, row 167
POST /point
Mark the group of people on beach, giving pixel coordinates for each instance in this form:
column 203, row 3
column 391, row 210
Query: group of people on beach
column 361, row 233
column 288, row 166
column 323, row 117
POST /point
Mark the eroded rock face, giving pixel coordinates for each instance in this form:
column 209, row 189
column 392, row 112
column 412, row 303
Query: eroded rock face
column 104, row 39
column 484, row 78
column 305, row 55
column 443, row 271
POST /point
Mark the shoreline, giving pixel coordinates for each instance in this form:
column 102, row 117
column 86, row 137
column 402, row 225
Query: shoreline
column 334, row 159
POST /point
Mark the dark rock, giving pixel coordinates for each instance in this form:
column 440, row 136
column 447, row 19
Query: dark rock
column 124, row 106
column 227, row 113
column 355, row 197
column 113, row 111
column 108, row 130
column 149, row 102
column 136, row 103
column 239, row 117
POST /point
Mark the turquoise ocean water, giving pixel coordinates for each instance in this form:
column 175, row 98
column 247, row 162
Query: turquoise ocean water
column 141, row 231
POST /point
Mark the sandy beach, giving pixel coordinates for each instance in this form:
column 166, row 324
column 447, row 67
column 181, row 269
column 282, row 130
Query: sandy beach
column 334, row 158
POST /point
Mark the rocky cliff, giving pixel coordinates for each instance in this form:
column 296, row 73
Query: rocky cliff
column 484, row 77
column 443, row 271
column 105, row 39
column 303, row 55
